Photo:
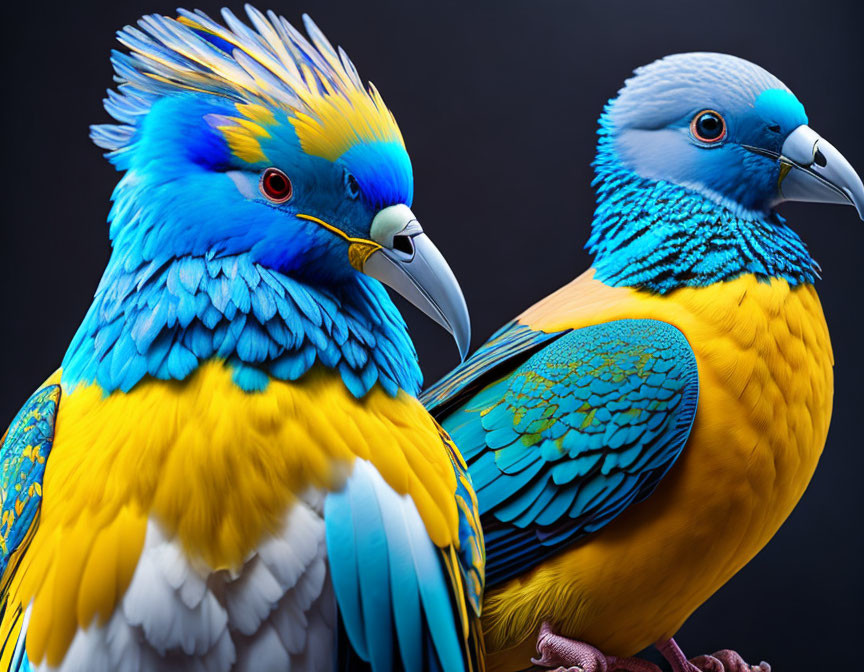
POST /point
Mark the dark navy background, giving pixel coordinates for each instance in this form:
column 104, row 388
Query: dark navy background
column 497, row 102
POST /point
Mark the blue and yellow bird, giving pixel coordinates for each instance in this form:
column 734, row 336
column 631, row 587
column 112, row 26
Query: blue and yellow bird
column 231, row 470
column 638, row 436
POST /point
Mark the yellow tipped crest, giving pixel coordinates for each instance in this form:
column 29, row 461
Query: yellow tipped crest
column 341, row 120
column 263, row 69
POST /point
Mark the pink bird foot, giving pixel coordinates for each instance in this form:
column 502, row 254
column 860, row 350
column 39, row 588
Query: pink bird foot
column 721, row 661
column 569, row 655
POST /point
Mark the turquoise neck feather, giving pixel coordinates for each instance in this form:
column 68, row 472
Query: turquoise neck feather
column 659, row 236
column 165, row 319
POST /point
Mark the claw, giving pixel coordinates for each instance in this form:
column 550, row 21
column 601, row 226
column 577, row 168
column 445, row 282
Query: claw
column 721, row 661
column 708, row 664
column 557, row 651
column 732, row 662
column 569, row 655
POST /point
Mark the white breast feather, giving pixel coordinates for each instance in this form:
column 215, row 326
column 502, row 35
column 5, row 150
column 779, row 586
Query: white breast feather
column 277, row 614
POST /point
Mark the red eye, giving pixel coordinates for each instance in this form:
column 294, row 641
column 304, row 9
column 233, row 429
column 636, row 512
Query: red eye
column 708, row 126
column 276, row 186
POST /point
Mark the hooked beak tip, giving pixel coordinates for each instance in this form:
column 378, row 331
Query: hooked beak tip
column 813, row 170
column 409, row 263
column 463, row 340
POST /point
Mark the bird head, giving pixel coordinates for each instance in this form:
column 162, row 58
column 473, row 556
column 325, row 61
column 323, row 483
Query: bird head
column 726, row 128
column 259, row 141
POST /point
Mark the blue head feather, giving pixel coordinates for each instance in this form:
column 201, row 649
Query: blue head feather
column 673, row 211
column 203, row 265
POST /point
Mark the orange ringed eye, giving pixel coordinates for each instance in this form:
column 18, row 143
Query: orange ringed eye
column 276, row 186
column 708, row 126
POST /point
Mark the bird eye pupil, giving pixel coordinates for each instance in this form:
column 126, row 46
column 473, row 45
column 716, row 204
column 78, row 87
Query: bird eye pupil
column 708, row 123
column 276, row 186
column 708, row 126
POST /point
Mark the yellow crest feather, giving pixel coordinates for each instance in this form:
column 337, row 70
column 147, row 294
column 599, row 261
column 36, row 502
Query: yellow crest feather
column 268, row 67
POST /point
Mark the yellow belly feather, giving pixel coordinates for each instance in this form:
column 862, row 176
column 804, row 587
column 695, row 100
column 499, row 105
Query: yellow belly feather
column 766, row 388
column 215, row 466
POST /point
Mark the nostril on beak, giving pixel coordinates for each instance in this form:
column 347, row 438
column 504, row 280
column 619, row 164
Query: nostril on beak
column 403, row 244
column 819, row 159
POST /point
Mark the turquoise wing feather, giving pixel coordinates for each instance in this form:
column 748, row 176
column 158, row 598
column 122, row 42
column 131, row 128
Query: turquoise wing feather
column 507, row 347
column 24, row 451
column 404, row 604
column 23, row 455
column 571, row 436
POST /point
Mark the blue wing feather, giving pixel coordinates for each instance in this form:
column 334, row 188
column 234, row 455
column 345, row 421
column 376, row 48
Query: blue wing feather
column 507, row 345
column 343, row 568
column 404, row 586
column 391, row 584
column 23, row 455
column 373, row 568
column 568, row 437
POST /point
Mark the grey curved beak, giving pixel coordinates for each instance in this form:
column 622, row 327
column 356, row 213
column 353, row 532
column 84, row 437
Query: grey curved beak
column 811, row 169
column 409, row 263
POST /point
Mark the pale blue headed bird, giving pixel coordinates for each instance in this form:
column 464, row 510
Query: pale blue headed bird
column 231, row 470
column 638, row 436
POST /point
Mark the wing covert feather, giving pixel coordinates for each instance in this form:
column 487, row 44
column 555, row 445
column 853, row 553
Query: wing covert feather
column 570, row 437
column 23, row 454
